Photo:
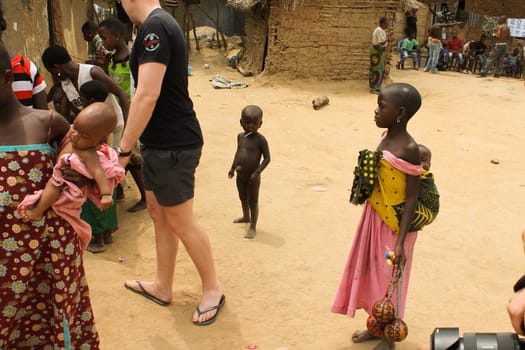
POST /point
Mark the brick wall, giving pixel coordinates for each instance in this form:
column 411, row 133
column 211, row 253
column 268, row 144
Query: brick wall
column 327, row 39
column 509, row 8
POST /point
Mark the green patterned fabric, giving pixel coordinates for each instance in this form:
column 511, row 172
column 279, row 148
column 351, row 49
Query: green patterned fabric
column 365, row 176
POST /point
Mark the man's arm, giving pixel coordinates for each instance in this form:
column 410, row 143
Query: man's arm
column 40, row 100
column 150, row 78
column 98, row 74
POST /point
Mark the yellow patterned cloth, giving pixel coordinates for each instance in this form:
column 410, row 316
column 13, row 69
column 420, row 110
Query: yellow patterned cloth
column 380, row 178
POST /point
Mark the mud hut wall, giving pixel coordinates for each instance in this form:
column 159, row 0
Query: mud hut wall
column 509, row 8
column 74, row 14
column 27, row 28
column 254, row 43
column 424, row 21
column 328, row 40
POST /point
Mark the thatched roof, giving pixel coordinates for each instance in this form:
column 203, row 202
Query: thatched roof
column 246, row 5
column 410, row 4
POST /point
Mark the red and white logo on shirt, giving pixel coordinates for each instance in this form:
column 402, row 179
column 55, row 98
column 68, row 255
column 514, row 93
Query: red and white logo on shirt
column 151, row 42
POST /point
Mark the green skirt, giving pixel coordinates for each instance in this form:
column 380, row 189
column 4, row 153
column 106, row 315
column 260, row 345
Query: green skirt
column 101, row 221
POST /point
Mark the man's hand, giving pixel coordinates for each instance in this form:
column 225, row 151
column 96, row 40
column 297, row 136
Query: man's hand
column 516, row 311
column 123, row 161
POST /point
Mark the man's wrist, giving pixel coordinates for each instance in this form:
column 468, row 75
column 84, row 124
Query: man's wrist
column 122, row 153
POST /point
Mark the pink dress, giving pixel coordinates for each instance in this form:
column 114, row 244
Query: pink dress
column 69, row 204
column 367, row 275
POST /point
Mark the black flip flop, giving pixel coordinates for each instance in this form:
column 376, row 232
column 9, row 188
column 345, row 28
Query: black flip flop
column 214, row 318
column 146, row 295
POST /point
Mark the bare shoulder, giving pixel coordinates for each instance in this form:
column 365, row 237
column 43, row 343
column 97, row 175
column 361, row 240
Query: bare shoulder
column 96, row 71
column 402, row 146
column 60, row 126
column 411, row 153
column 260, row 136
column 261, row 139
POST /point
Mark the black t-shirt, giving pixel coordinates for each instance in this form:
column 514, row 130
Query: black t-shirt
column 173, row 124
column 411, row 25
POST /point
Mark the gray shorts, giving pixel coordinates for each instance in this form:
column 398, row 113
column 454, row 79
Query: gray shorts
column 170, row 174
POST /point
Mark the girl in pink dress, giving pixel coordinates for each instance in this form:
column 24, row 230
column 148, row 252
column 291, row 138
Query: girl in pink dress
column 387, row 217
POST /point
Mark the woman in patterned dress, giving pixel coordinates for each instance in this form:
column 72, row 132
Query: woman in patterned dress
column 380, row 39
column 44, row 297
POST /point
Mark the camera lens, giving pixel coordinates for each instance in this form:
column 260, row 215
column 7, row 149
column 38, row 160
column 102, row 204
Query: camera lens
column 445, row 339
column 449, row 339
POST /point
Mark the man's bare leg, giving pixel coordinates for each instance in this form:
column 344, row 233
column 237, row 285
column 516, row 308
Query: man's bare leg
column 167, row 246
column 181, row 221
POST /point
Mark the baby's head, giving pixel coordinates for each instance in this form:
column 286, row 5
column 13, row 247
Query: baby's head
column 426, row 156
column 92, row 125
column 251, row 118
column 93, row 91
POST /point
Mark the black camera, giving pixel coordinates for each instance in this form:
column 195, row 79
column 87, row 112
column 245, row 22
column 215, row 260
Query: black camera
column 449, row 339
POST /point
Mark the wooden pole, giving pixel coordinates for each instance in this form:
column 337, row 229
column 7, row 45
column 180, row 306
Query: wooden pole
column 217, row 26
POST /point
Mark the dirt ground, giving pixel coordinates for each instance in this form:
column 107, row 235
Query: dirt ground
column 279, row 287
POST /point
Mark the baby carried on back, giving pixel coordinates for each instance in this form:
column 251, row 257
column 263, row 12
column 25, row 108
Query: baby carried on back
column 377, row 180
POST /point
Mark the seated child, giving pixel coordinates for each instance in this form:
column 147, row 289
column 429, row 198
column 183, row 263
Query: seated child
column 512, row 63
column 86, row 153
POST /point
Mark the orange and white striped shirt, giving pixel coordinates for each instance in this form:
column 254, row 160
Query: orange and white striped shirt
column 27, row 80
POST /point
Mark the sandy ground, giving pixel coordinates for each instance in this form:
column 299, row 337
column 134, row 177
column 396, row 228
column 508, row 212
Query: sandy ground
column 280, row 286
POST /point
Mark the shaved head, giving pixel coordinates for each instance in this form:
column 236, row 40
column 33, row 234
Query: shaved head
column 99, row 118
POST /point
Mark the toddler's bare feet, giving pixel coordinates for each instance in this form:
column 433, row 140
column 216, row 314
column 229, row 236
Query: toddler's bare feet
column 31, row 214
column 250, row 234
column 243, row 219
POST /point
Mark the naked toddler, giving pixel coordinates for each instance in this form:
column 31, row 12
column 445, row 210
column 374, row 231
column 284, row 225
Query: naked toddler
column 251, row 146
